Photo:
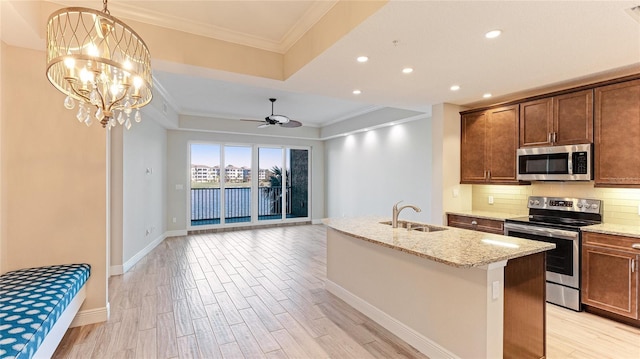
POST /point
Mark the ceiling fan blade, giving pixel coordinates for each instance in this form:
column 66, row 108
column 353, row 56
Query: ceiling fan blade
column 249, row 120
column 264, row 125
column 291, row 124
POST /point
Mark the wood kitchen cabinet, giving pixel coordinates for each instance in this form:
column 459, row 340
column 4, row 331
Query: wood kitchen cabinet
column 617, row 135
column 610, row 274
column 559, row 120
column 475, row 223
column 489, row 140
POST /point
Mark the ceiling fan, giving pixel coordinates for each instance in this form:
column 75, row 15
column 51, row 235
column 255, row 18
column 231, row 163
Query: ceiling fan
column 280, row 120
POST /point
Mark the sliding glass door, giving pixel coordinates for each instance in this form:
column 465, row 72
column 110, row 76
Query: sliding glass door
column 225, row 191
column 297, row 164
column 237, row 184
column 270, row 178
column 284, row 183
column 205, row 184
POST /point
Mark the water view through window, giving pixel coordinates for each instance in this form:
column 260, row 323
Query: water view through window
column 221, row 177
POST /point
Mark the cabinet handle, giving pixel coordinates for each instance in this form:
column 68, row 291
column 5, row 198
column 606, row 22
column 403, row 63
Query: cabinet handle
column 635, row 246
column 549, row 137
column 489, row 174
column 555, row 137
column 633, row 265
column 474, row 223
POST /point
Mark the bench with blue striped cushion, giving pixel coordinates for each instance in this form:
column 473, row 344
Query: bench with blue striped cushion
column 31, row 301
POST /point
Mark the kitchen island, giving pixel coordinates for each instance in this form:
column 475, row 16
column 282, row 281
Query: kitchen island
column 450, row 293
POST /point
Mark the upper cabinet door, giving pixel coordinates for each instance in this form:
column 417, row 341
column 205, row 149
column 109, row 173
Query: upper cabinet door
column 536, row 123
column 573, row 118
column 488, row 145
column 617, row 135
column 473, row 148
column 557, row 121
column 502, row 144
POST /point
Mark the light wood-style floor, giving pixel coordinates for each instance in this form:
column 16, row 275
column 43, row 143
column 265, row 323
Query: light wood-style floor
column 260, row 294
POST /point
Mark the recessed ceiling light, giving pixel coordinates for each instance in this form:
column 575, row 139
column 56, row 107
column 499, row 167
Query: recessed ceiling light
column 362, row 59
column 407, row 70
column 487, row 95
column 493, row 34
column 455, row 88
column 357, row 92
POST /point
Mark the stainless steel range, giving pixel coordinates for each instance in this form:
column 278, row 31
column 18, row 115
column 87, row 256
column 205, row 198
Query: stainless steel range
column 558, row 220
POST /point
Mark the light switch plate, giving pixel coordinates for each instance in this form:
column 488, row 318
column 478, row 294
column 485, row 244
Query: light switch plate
column 490, row 199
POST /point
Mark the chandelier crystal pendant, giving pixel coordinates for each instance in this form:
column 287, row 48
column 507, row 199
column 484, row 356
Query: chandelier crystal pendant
column 100, row 63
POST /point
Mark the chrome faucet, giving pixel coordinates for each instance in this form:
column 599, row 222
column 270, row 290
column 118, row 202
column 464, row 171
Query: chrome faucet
column 396, row 213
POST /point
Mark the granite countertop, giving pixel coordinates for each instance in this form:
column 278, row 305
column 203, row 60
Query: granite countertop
column 499, row 216
column 455, row 247
column 615, row 229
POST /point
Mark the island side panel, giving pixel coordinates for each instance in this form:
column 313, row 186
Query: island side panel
column 448, row 311
column 525, row 307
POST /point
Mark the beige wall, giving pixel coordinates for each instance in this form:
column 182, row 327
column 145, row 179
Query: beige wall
column 3, row 250
column 620, row 205
column 53, row 177
column 450, row 195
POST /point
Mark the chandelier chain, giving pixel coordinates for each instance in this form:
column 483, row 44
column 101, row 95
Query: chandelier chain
column 104, row 7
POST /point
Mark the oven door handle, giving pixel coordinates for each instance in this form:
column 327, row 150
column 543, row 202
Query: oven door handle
column 545, row 232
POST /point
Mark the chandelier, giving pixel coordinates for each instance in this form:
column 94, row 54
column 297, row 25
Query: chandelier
column 100, row 63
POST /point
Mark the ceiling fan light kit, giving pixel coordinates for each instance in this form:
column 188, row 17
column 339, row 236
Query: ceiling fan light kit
column 280, row 120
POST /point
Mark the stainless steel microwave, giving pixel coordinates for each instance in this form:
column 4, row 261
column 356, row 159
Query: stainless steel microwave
column 555, row 163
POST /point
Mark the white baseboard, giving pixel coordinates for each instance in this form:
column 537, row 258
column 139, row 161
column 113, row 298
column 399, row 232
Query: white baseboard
column 316, row 221
column 415, row 339
column 138, row 256
column 115, row 270
column 123, row 268
column 177, row 233
column 85, row 317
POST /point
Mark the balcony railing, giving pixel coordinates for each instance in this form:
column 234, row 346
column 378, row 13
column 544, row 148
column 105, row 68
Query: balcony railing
column 205, row 204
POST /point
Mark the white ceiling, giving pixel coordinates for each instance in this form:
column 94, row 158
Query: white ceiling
column 543, row 43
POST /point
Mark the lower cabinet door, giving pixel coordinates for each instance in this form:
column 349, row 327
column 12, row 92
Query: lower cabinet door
column 610, row 280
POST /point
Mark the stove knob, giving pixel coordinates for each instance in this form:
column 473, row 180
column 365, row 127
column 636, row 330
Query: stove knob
column 531, row 201
column 537, row 202
column 594, row 206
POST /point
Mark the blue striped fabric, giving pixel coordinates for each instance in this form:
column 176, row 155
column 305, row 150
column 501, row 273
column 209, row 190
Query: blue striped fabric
column 31, row 301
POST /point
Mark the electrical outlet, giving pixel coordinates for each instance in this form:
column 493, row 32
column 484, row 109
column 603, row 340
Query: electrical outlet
column 174, row 219
column 495, row 290
column 456, row 193
column 490, row 199
column 638, row 209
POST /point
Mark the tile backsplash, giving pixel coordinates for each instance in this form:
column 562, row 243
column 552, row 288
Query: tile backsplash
column 620, row 205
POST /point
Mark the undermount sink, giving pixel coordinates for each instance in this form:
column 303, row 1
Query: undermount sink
column 414, row 226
